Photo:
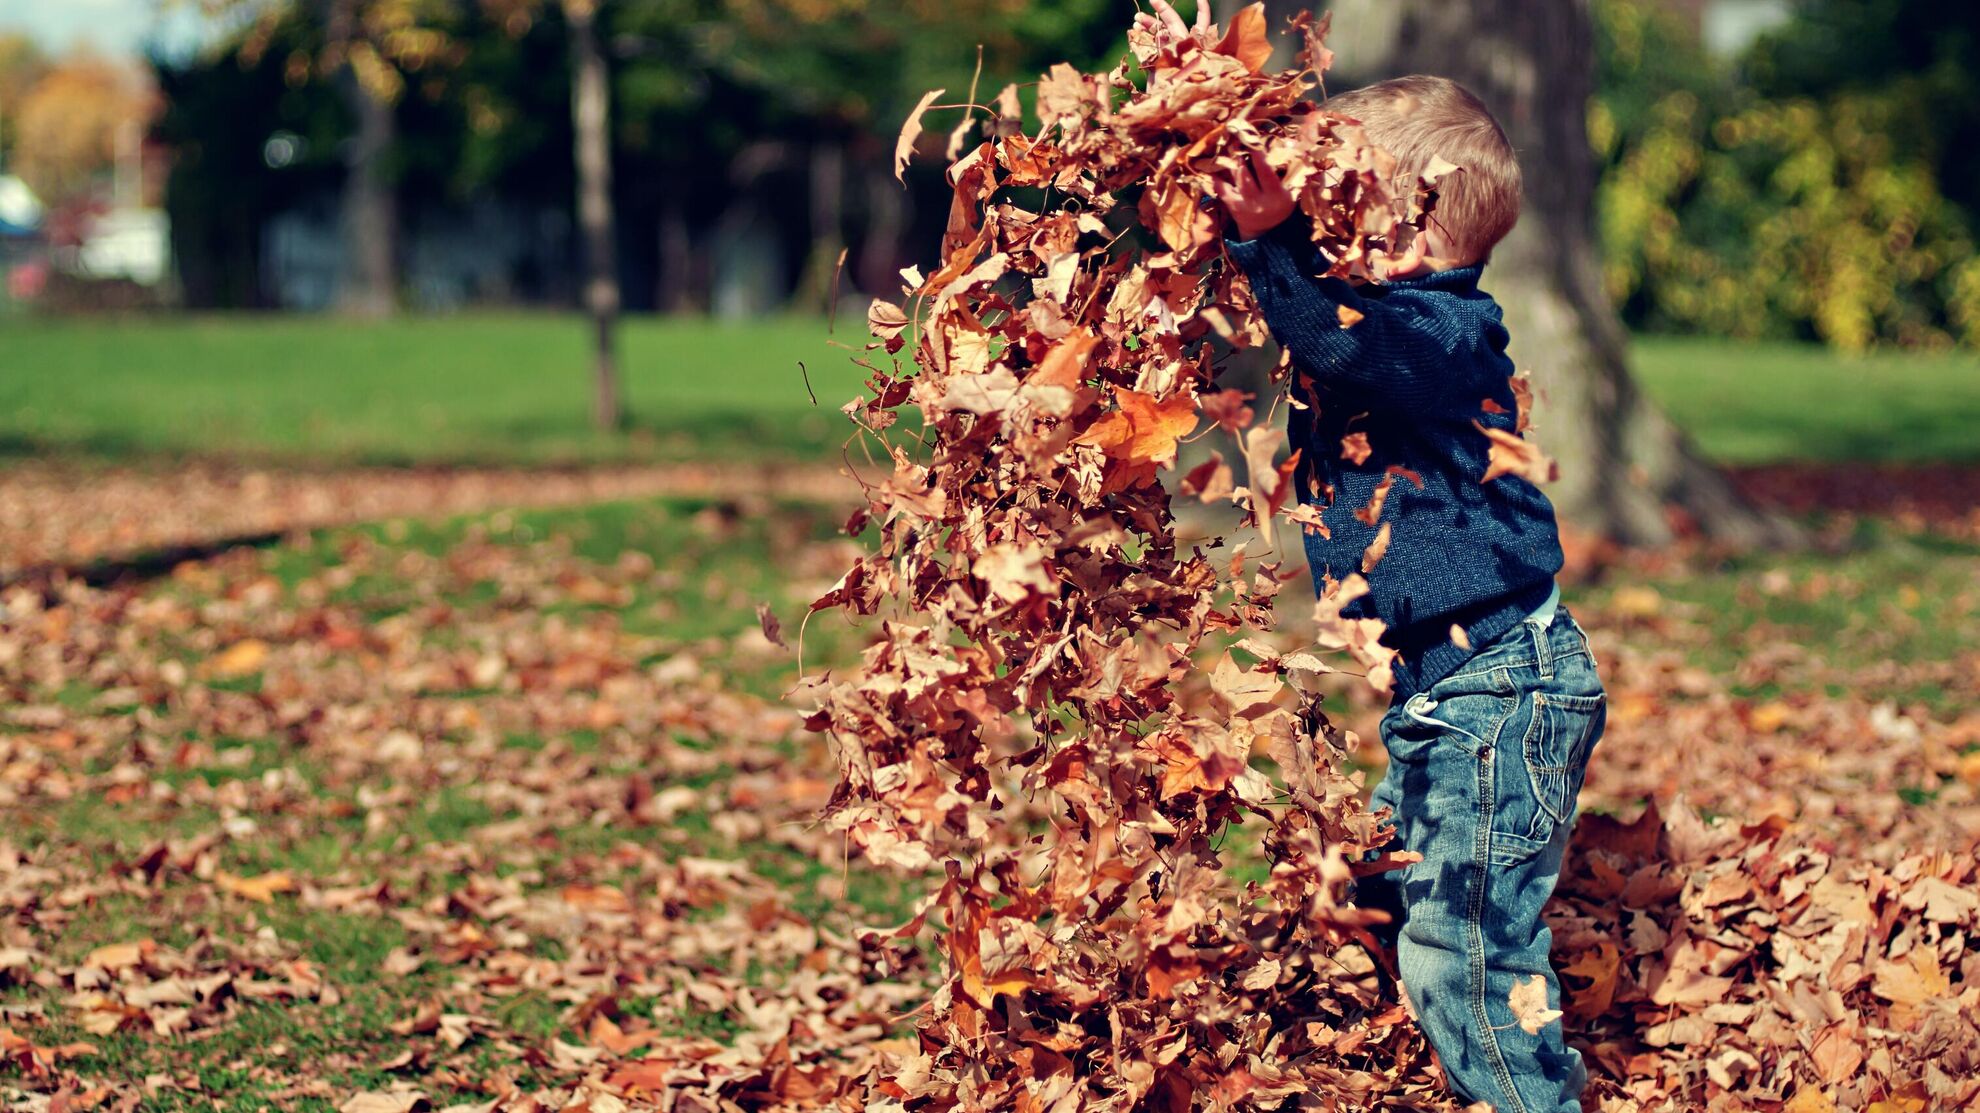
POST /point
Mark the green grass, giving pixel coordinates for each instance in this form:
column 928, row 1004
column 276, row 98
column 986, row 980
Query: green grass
column 480, row 389
column 515, row 388
column 1764, row 403
column 1872, row 619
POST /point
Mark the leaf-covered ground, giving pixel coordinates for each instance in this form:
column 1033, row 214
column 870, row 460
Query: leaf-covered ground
column 94, row 519
column 447, row 814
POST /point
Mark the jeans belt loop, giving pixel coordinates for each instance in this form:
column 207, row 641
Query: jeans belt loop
column 1543, row 650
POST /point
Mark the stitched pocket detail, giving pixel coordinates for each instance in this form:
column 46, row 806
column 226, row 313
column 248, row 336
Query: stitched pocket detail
column 1556, row 753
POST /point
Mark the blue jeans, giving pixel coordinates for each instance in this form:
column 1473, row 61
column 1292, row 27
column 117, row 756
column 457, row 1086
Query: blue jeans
column 1484, row 768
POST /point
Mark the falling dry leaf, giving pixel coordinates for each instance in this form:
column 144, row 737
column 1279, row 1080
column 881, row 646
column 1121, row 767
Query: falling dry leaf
column 911, row 131
column 1512, row 454
column 1355, row 448
column 1529, row 1005
column 773, row 631
column 1376, row 548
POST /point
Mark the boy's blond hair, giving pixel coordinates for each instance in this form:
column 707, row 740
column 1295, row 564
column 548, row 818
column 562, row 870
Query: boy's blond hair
column 1419, row 118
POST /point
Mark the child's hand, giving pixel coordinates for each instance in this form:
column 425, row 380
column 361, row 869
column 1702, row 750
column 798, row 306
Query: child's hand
column 1256, row 198
column 1165, row 26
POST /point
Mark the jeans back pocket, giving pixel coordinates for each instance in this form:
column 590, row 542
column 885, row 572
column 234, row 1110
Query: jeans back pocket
column 1563, row 729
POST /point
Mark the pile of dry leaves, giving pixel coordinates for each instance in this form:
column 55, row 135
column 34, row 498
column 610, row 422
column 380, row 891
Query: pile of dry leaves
column 1019, row 721
column 1732, row 966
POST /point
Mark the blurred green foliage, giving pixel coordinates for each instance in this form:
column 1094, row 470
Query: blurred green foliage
column 1820, row 186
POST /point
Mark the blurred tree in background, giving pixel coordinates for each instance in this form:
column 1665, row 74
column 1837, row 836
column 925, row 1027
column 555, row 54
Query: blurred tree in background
column 1820, row 186
column 368, row 50
column 70, row 120
column 731, row 118
column 268, row 121
column 22, row 64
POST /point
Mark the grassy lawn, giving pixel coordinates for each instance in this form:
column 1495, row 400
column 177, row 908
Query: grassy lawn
column 1766, row 403
column 481, row 389
column 515, row 389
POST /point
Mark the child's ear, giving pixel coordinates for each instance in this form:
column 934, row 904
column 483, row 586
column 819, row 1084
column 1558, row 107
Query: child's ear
column 1438, row 253
column 1435, row 246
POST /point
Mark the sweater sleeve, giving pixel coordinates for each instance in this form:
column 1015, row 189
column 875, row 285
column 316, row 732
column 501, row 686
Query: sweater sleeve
column 1397, row 354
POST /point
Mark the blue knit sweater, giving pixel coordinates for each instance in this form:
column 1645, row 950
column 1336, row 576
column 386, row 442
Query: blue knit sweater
column 1414, row 374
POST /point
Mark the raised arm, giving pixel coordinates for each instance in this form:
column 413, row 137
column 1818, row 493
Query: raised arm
column 1393, row 353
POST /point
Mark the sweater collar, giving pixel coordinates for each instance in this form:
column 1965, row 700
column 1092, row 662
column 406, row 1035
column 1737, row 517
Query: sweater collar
column 1456, row 279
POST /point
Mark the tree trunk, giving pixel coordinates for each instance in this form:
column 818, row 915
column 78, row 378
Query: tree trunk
column 888, row 215
column 1627, row 473
column 591, row 118
column 369, row 216
column 821, row 265
column 676, row 294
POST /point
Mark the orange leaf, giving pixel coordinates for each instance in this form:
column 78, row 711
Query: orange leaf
column 649, row 1075
column 1158, row 425
column 1600, row 967
column 1513, row 454
column 1171, row 208
column 1065, row 365
column 617, row 1040
column 260, row 889
column 117, row 956
column 1166, row 972
column 1246, row 39
column 596, row 898
column 1910, row 1099
column 1808, row 1099
column 240, row 659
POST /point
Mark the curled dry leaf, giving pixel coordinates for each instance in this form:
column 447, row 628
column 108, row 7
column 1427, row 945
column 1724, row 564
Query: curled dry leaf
column 911, row 131
column 773, row 630
column 1376, row 548
column 1513, row 454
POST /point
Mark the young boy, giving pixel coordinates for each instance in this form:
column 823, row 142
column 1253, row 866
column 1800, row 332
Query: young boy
column 1497, row 703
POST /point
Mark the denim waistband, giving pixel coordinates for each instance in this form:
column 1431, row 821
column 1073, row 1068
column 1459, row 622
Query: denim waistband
column 1531, row 645
column 1428, row 652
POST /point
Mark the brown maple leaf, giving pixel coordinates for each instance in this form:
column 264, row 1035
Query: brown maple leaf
column 1529, row 1005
